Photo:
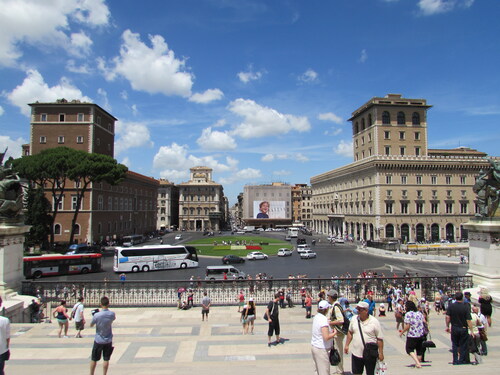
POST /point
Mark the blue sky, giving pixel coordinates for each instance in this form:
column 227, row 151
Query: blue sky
column 259, row 90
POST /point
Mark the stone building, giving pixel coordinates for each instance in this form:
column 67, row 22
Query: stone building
column 168, row 205
column 107, row 211
column 397, row 187
column 279, row 199
column 202, row 204
column 302, row 205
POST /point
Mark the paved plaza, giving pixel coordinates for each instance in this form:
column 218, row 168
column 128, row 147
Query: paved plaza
column 171, row 341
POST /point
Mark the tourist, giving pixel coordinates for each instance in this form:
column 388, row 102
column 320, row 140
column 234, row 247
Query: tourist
column 205, row 306
column 272, row 313
column 414, row 324
column 103, row 341
column 78, row 317
column 458, row 316
column 321, row 340
column 61, row 314
column 485, row 301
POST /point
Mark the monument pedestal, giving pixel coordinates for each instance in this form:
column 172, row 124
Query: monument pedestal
column 484, row 252
column 11, row 257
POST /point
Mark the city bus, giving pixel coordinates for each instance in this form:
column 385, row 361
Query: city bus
column 293, row 232
column 57, row 264
column 154, row 257
column 132, row 240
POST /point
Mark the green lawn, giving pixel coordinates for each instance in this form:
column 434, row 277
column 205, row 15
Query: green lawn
column 207, row 246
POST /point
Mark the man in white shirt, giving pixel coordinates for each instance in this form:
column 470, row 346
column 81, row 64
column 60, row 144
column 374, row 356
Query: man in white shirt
column 77, row 315
column 4, row 341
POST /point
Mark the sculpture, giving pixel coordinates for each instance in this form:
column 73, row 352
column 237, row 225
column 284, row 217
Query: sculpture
column 487, row 188
column 11, row 191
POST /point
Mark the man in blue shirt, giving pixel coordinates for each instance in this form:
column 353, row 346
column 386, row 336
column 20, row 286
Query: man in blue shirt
column 103, row 341
column 371, row 303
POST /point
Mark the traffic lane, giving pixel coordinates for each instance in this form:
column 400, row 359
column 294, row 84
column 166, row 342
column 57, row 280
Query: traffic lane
column 331, row 261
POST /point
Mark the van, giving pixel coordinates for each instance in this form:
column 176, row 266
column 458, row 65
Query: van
column 217, row 273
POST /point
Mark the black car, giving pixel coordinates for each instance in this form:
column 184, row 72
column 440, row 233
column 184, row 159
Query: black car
column 232, row 259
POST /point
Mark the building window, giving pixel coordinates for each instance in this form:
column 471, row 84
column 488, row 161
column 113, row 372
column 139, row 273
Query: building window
column 449, row 208
column 434, row 180
column 77, row 229
column 57, row 229
column 74, row 202
column 463, row 208
column 43, row 139
column 387, row 150
column 79, row 117
column 60, row 139
column 388, row 179
column 419, row 194
column 419, row 180
column 356, row 143
column 370, row 120
column 434, row 208
column 43, row 117
column 60, row 205
column 369, row 137
column 417, row 151
column 62, row 117
column 79, row 139
column 98, row 120
column 100, row 203
column 401, row 136
column 386, row 118
column 402, row 150
column 415, row 118
column 389, row 194
column 110, row 205
column 388, row 208
column 387, row 134
column 404, row 208
column 463, row 180
column 369, row 151
column 98, row 141
column 419, row 208
column 404, row 180
column 448, row 180
column 363, row 140
column 417, row 136
column 401, row 118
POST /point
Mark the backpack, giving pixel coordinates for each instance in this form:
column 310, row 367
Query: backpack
column 344, row 328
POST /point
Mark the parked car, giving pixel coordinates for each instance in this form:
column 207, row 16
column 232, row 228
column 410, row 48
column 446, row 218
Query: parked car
column 232, row 259
column 284, row 252
column 307, row 254
column 254, row 255
column 178, row 237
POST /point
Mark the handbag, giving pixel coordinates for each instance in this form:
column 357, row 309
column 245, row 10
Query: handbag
column 381, row 368
column 265, row 317
column 370, row 350
column 428, row 343
column 334, row 356
column 482, row 334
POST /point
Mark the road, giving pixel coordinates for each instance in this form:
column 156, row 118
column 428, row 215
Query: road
column 331, row 261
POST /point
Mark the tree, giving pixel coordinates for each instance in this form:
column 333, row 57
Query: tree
column 53, row 168
column 38, row 216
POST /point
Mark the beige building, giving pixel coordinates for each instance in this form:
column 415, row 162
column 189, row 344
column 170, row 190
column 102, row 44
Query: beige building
column 397, row 187
column 302, row 205
column 202, row 205
column 277, row 197
column 168, row 205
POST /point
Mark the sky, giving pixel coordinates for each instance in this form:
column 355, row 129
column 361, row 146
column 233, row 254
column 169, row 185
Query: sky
column 259, row 90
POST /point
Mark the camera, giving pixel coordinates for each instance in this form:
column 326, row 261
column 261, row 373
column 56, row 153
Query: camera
column 95, row 311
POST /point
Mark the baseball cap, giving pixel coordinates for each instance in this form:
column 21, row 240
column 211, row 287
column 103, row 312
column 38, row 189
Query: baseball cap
column 250, row 300
column 323, row 305
column 332, row 293
column 363, row 305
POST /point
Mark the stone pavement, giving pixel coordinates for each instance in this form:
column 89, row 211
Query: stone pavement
column 169, row 341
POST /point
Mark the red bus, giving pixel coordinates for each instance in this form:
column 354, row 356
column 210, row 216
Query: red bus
column 57, row 264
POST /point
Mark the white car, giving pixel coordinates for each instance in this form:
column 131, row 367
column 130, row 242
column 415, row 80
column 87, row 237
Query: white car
column 254, row 255
column 339, row 240
column 178, row 237
column 303, row 247
column 284, row 252
column 307, row 254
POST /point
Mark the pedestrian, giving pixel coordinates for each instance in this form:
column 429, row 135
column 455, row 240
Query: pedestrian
column 475, row 343
column 241, row 300
column 190, row 298
column 308, row 305
column 4, row 340
column 322, row 340
column 78, row 317
column 250, row 315
column 485, row 301
column 272, row 313
column 244, row 320
column 381, row 310
column 371, row 303
column 414, row 324
column 336, row 318
column 367, row 340
column 205, row 306
column 35, row 311
column 399, row 313
column 103, row 341
column 458, row 316
column 483, row 335
column 61, row 314
column 303, row 294
column 123, row 277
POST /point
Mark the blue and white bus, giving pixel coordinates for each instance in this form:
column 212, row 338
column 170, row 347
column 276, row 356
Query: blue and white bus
column 154, row 257
column 132, row 240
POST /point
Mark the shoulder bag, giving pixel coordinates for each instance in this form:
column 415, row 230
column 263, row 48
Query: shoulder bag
column 265, row 317
column 370, row 350
column 334, row 356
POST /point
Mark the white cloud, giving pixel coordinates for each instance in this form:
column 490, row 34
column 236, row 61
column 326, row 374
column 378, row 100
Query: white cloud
column 250, row 75
column 259, row 121
column 73, row 68
column 309, row 76
column 134, row 109
column 44, row 23
column 282, row 172
column 206, row 97
column 124, row 95
column 344, row 149
column 80, row 44
column 295, row 156
column 153, row 70
column 34, row 89
column 246, row 174
column 267, row 158
column 216, row 140
column 126, row 161
column 330, row 116
column 301, row 157
column 13, row 145
column 174, row 162
column 220, row 123
column 130, row 135
column 364, row 56
column 431, row 7
column 2, row 111
column 104, row 99
column 333, row 131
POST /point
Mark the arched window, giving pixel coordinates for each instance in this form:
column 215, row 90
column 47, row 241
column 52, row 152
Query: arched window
column 370, row 119
column 386, row 118
column 77, row 228
column 362, row 124
column 389, row 231
column 57, row 229
column 415, row 118
column 401, row 118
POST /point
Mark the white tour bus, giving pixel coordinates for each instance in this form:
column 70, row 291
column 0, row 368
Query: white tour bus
column 134, row 239
column 154, row 257
column 293, row 232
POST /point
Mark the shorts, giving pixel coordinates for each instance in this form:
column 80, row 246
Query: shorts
column 62, row 321
column 104, row 349
column 274, row 327
column 205, row 312
column 80, row 326
column 358, row 364
column 414, row 343
column 250, row 318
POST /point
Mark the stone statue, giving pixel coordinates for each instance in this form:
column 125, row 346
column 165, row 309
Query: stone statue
column 11, row 192
column 487, row 188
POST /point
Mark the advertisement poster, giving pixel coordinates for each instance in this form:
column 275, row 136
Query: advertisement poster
column 269, row 209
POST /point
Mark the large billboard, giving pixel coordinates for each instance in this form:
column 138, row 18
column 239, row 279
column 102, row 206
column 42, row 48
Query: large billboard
column 269, row 210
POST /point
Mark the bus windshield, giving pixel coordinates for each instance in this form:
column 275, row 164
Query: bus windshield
column 57, row 264
column 154, row 257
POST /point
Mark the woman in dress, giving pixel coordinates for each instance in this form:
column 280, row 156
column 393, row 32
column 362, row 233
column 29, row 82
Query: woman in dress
column 437, row 302
column 61, row 314
column 414, row 325
column 485, row 301
column 399, row 312
column 322, row 340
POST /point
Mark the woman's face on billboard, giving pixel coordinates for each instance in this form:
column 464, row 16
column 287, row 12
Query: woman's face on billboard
column 264, row 207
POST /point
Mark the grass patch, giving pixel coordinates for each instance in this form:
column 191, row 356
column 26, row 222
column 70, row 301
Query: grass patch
column 206, row 246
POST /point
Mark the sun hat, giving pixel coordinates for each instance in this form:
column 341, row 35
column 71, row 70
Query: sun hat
column 323, row 305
